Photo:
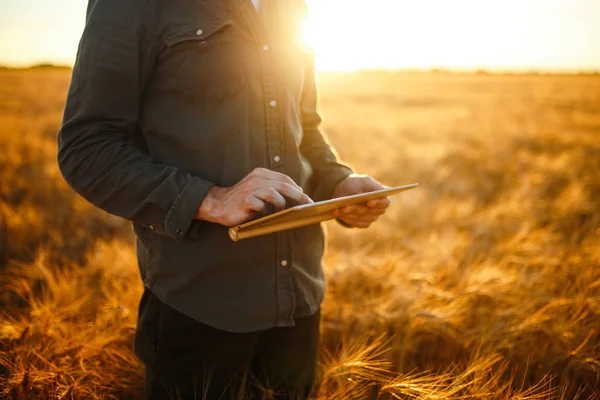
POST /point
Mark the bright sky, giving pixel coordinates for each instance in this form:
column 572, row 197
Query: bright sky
column 362, row 34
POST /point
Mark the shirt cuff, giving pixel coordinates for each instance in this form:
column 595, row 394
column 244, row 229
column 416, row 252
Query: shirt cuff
column 181, row 215
column 327, row 185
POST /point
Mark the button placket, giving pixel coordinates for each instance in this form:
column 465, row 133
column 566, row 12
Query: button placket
column 285, row 281
column 274, row 143
column 274, row 140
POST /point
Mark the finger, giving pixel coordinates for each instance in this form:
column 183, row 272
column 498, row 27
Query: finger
column 275, row 176
column 340, row 213
column 363, row 218
column 378, row 211
column 356, row 223
column 369, row 184
column 358, row 209
column 379, row 203
column 271, row 196
column 371, row 212
column 253, row 204
column 291, row 192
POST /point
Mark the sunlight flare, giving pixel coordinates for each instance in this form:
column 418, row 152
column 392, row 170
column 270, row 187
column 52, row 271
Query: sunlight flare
column 349, row 35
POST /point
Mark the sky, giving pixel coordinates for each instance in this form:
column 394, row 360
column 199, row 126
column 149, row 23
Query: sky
column 370, row 34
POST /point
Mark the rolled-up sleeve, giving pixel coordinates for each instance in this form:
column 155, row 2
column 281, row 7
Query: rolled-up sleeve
column 327, row 169
column 95, row 151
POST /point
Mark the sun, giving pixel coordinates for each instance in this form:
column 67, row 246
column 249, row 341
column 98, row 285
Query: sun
column 349, row 35
column 324, row 33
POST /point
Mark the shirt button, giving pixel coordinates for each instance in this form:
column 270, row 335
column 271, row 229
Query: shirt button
column 152, row 227
column 276, row 158
column 284, row 263
column 266, row 47
column 199, row 32
column 273, row 103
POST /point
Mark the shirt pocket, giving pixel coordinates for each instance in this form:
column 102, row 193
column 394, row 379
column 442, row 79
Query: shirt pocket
column 206, row 62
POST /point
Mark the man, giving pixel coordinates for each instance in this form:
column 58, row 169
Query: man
column 187, row 117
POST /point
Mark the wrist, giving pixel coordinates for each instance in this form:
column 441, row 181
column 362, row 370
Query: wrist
column 210, row 209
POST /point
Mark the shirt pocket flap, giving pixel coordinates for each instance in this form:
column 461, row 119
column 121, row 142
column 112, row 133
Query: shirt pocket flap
column 200, row 32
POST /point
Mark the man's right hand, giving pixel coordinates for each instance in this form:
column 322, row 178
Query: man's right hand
column 230, row 206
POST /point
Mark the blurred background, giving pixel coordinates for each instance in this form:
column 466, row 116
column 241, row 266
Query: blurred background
column 483, row 283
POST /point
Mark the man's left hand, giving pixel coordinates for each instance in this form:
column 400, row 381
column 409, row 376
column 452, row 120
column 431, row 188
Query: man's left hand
column 360, row 215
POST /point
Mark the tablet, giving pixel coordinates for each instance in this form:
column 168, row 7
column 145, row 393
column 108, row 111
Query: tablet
column 307, row 214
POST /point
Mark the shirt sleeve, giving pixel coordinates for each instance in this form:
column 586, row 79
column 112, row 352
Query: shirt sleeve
column 315, row 147
column 95, row 151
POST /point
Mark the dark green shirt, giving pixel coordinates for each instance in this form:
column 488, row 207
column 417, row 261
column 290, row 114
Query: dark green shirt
column 169, row 98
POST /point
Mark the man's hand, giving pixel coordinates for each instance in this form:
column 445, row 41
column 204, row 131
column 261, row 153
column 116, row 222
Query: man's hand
column 234, row 205
column 360, row 215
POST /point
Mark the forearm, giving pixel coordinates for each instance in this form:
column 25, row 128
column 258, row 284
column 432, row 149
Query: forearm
column 327, row 168
column 124, row 181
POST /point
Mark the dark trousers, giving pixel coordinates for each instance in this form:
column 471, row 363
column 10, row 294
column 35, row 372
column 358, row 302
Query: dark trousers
column 186, row 359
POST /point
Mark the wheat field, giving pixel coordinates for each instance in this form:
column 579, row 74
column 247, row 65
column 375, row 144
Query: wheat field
column 484, row 283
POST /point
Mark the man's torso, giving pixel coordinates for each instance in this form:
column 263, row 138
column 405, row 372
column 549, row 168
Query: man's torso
column 224, row 97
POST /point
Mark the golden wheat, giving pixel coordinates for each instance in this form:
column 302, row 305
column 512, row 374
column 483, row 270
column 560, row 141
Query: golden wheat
column 484, row 283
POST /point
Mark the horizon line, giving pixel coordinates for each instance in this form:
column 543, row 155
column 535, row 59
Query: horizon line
column 471, row 70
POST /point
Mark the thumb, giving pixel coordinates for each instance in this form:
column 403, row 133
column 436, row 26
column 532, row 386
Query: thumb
column 370, row 184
